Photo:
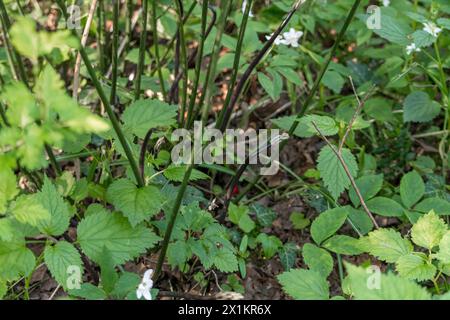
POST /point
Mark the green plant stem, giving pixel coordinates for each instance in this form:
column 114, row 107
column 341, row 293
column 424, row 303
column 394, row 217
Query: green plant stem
column 211, row 71
column 115, row 49
column 171, row 42
column 9, row 51
column 141, row 62
column 183, row 60
column 237, row 57
column 100, row 35
column 156, row 44
column 311, row 94
column 7, row 24
column 172, row 219
column 112, row 116
column 198, row 63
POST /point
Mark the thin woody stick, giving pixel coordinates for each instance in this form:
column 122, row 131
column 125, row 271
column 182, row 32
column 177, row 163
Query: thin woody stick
column 357, row 112
column 347, row 172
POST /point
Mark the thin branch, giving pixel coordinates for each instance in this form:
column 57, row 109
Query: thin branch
column 347, row 172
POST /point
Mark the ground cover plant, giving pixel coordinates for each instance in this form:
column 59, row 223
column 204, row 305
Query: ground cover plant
column 117, row 179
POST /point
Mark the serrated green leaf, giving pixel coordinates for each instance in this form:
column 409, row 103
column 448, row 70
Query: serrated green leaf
column 418, row 107
column 15, row 260
column 303, row 284
column 387, row 245
column 327, row 223
column 428, row 231
column 393, row 30
column 145, row 114
column 317, row 259
column 423, row 39
column 264, row 215
column 28, row 209
column 137, row 204
column 225, row 260
column 178, row 253
column 89, row 291
column 412, row 188
column 60, row 215
column 111, row 230
column 415, row 266
column 59, row 258
column 444, row 249
column 334, row 81
column 389, row 287
column 332, row 172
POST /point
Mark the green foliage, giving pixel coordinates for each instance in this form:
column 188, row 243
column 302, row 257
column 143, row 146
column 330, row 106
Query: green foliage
column 332, row 172
column 304, row 284
column 325, row 225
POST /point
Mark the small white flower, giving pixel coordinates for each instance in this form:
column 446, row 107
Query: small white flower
column 411, row 48
column 292, row 37
column 145, row 286
column 431, row 28
column 386, row 3
column 244, row 5
column 278, row 40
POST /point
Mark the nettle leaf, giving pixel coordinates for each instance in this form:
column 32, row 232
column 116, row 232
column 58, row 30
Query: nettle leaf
column 428, row 231
column 385, row 207
column 332, row 172
column 8, row 187
column 444, row 23
column 178, row 253
column 334, row 81
column 438, row 205
column 327, row 223
column 270, row 244
column 176, row 173
column 126, row 284
column 444, row 249
column 137, row 204
column 239, row 216
column 387, row 245
column 22, row 107
column 422, row 39
column 415, row 266
column 412, row 188
column 60, row 214
column 391, row 287
column 225, row 260
column 288, row 255
column 317, row 259
column 193, row 218
column 394, row 30
column 264, row 215
column 304, row 284
column 113, row 231
column 305, row 128
column 418, row 107
column 15, row 260
column 368, row 185
column 59, row 258
column 145, row 114
column 28, row 209
column 343, row 244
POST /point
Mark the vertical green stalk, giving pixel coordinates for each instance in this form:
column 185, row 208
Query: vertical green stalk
column 211, row 72
column 100, row 35
column 183, row 59
column 237, row 57
column 9, row 50
column 198, row 63
column 112, row 116
column 115, row 49
column 156, row 44
column 316, row 85
column 6, row 22
column 141, row 62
